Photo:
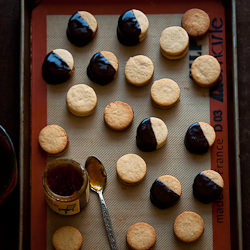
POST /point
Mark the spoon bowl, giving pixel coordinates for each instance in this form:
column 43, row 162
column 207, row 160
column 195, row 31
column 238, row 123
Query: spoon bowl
column 97, row 181
column 97, row 174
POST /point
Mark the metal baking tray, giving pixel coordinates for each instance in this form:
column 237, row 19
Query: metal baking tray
column 233, row 124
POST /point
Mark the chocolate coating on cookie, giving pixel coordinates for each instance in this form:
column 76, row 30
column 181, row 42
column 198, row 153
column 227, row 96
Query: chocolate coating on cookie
column 55, row 69
column 195, row 140
column 162, row 196
column 128, row 29
column 100, row 70
column 145, row 137
column 79, row 32
column 205, row 189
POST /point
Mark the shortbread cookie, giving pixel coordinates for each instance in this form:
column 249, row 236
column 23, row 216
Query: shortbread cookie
column 196, row 22
column 165, row 191
column 58, row 66
column 81, row 100
column 82, row 27
column 139, row 70
column 174, row 42
column 102, row 67
column 141, row 236
column 118, row 115
column 208, row 186
column 199, row 137
column 151, row 134
column 205, row 71
column 165, row 93
column 131, row 169
column 132, row 27
column 67, row 238
column 53, row 139
column 188, row 226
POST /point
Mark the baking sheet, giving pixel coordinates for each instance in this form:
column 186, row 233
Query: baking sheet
column 90, row 136
column 109, row 146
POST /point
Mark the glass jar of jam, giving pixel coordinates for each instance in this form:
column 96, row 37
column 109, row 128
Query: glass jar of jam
column 66, row 186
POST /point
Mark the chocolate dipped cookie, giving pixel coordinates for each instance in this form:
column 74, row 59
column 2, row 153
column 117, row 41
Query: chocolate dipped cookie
column 199, row 138
column 58, row 66
column 207, row 186
column 165, row 191
column 151, row 134
column 82, row 27
column 132, row 27
column 102, row 67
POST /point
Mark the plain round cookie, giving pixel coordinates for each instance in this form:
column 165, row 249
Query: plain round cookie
column 67, row 238
column 141, row 236
column 165, row 93
column 58, row 66
column 196, row 22
column 174, row 42
column 205, row 71
column 118, row 115
column 139, row 70
column 199, row 137
column 82, row 27
column 131, row 169
column 207, row 186
column 132, row 27
column 151, row 134
column 53, row 139
column 165, row 191
column 103, row 67
column 81, row 100
column 188, row 226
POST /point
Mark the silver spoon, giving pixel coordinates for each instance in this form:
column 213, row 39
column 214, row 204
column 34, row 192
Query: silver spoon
column 97, row 182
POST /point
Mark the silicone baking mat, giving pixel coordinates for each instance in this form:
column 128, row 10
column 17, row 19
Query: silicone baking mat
column 90, row 136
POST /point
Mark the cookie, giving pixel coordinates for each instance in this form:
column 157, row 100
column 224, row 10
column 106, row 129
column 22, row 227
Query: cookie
column 196, row 22
column 199, row 137
column 205, row 71
column 82, row 27
column 131, row 169
column 58, row 66
column 151, row 134
column 81, row 100
column 208, row 186
column 132, row 27
column 53, row 139
column 139, row 70
column 141, row 236
column 165, row 191
column 174, row 42
column 165, row 93
column 188, row 226
column 67, row 238
column 118, row 115
column 102, row 67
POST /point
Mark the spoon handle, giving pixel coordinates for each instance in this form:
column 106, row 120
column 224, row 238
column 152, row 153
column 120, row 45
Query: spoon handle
column 107, row 222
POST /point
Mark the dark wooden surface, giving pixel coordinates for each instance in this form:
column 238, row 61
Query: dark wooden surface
column 9, row 110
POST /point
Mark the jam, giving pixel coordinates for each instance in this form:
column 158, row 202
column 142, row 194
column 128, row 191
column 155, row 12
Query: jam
column 66, row 186
column 145, row 137
column 64, row 179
